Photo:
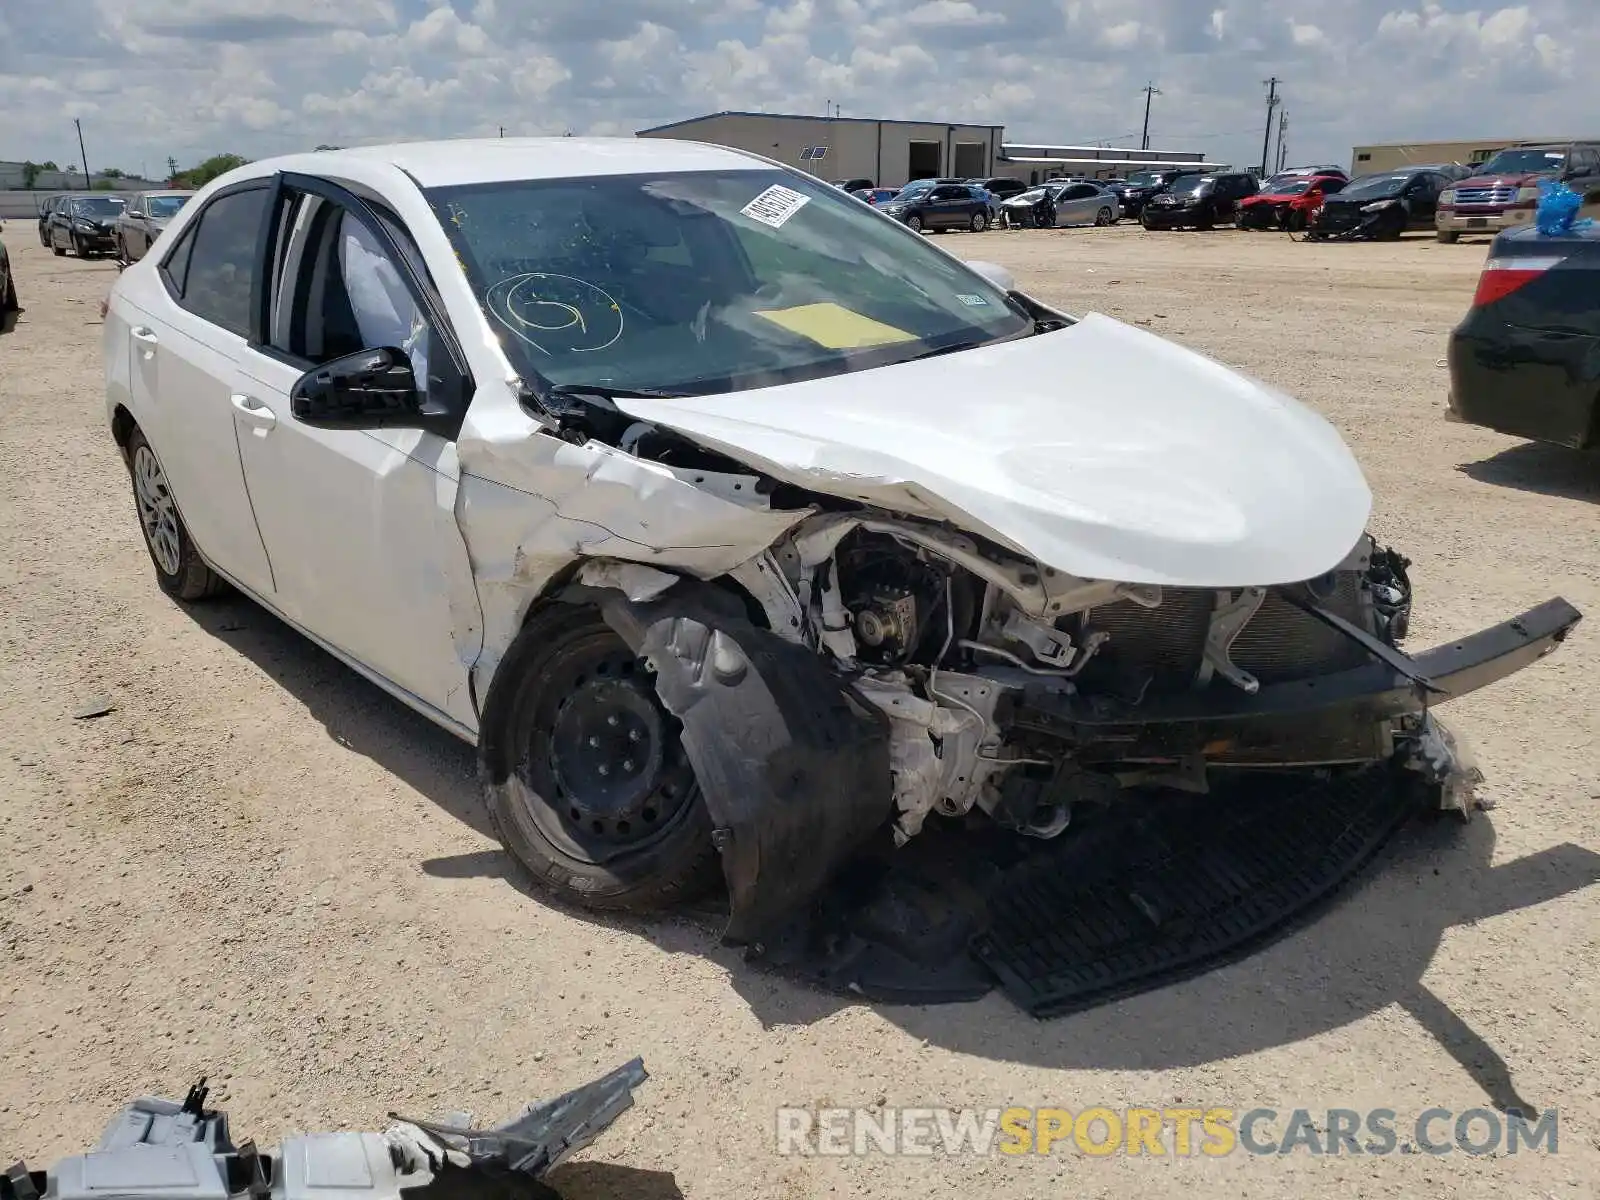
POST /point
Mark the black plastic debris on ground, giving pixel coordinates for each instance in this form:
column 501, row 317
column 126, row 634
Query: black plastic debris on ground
column 1182, row 888
column 1146, row 894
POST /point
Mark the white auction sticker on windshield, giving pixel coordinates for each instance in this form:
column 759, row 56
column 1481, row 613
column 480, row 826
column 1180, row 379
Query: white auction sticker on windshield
column 972, row 301
column 775, row 206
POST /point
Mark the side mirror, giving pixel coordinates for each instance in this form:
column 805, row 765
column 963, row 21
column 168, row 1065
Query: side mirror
column 362, row 391
column 996, row 274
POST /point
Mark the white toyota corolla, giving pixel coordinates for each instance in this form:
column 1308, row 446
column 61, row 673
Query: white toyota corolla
column 731, row 520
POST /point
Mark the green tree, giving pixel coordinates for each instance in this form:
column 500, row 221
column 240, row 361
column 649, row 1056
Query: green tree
column 30, row 174
column 217, row 164
column 105, row 185
column 113, row 173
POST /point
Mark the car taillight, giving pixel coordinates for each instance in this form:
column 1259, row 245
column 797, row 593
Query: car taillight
column 1502, row 276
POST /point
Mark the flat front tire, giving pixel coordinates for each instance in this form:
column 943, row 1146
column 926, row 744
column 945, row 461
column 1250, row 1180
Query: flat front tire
column 180, row 571
column 583, row 772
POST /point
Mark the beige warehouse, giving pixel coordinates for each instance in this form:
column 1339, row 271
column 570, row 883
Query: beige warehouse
column 889, row 153
column 1395, row 156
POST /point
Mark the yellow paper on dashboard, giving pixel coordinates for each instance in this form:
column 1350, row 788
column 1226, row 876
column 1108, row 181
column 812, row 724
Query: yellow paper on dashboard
column 836, row 327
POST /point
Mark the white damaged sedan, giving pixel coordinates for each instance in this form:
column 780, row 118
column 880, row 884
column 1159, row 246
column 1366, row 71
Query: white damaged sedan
column 739, row 526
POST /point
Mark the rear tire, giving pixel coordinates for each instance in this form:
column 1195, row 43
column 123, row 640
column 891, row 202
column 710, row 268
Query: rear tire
column 584, row 776
column 980, row 222
column 8, row 298
column 914, row 223
column 58, row 251
column 1448, row 236
column 1103, row 217
column 180, row 571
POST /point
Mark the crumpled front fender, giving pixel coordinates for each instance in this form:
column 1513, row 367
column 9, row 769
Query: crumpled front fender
column 794, row 767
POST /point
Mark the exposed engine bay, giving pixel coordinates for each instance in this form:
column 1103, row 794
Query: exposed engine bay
column 949, row 638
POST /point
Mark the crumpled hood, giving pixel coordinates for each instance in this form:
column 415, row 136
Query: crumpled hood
column 1100, row 450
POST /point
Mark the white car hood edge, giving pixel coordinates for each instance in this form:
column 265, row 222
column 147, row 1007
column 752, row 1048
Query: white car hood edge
column 1100, row 450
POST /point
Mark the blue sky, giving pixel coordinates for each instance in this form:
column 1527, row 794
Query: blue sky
column 187, row 78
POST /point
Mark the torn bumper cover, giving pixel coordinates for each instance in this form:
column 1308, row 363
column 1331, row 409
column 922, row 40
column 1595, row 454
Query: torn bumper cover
column 794, row 767
column 1241, row 727
column 158, row 1149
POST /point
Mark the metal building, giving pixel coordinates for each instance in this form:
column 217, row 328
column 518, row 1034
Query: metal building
column 890, row 153
column 1393, row 156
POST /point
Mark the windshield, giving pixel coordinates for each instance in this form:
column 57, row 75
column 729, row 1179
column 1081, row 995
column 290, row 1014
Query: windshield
column 1188, row 185
column 165, row 206
column 707, row 282
column 1289, row 187
column 99, row 206
column 1144, row 179
column 1524, row 162
column 1374, row 186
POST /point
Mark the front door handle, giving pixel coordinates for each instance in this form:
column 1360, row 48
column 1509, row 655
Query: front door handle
column 255, row 412
column 143, row 333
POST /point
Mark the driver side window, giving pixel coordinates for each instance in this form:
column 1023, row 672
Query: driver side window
column 342, row 293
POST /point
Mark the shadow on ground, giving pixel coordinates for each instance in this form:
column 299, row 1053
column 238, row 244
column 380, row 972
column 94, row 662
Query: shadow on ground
column 1370, row 950
column 609, row 1181
column 1542, row 468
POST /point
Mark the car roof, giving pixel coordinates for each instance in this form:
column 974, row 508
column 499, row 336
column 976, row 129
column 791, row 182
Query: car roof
column 156, row 192
column 493, row 160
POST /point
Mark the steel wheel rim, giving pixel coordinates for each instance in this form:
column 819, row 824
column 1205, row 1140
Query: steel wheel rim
column 157, row 511
column 606, row 775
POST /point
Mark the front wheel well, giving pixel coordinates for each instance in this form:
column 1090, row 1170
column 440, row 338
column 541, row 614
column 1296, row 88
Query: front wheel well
column 122, row 427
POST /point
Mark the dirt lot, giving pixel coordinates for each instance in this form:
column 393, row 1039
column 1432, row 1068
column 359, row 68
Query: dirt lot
column 260, row 867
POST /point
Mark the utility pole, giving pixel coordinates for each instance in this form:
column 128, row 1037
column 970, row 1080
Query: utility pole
column 502, row 131
column 1150, row 90
column 1283, row 139
column 87, row 182
column 1272, row 104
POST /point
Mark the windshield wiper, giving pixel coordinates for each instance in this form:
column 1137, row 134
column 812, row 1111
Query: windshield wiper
column 606, row 392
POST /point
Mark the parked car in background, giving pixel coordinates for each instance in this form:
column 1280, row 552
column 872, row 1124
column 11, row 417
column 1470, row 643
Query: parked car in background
column 943, row 206
column 143, row 220
column 1523, row 359
column 85, row 224
column 1382, row 206
column 1201, row 201
column 877, row 197
column 47, row 208
column 1286, row 201
column 1292, row 174
column 853, row 185
column 1504, row 192
column 917, row 186
column 1056, row 204
column 1136, row 192
column 8, row 282
column 1001, row 187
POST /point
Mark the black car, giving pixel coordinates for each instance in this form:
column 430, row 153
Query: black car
column 1523, row 359
column 85, row 225
column 853, row 185
column 1382, row 206
column 47, row 207
column 1001, row 187
column 943, row 206
column 1199, row 200
column 1138, row 188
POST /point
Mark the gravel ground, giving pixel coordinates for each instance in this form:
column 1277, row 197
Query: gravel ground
column 260, row 867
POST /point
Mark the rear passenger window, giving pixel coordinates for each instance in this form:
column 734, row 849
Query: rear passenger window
column 219, row 264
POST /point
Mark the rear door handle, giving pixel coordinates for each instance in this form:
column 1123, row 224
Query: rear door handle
column 255, row 412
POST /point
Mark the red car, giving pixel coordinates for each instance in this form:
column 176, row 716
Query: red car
column 1287, row 204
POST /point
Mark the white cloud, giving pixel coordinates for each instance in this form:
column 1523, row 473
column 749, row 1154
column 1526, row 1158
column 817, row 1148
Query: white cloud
column 193, row 77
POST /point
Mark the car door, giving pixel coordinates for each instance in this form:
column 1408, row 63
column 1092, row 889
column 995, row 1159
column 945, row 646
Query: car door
column 939, row 209
column 1422, row 194
column 1077, row 205
column 130, row 229
column 1584, row 167
column 359, row 523
column 186, row 336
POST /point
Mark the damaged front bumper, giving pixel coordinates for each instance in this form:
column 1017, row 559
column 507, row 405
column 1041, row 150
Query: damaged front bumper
column 1238, row 728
